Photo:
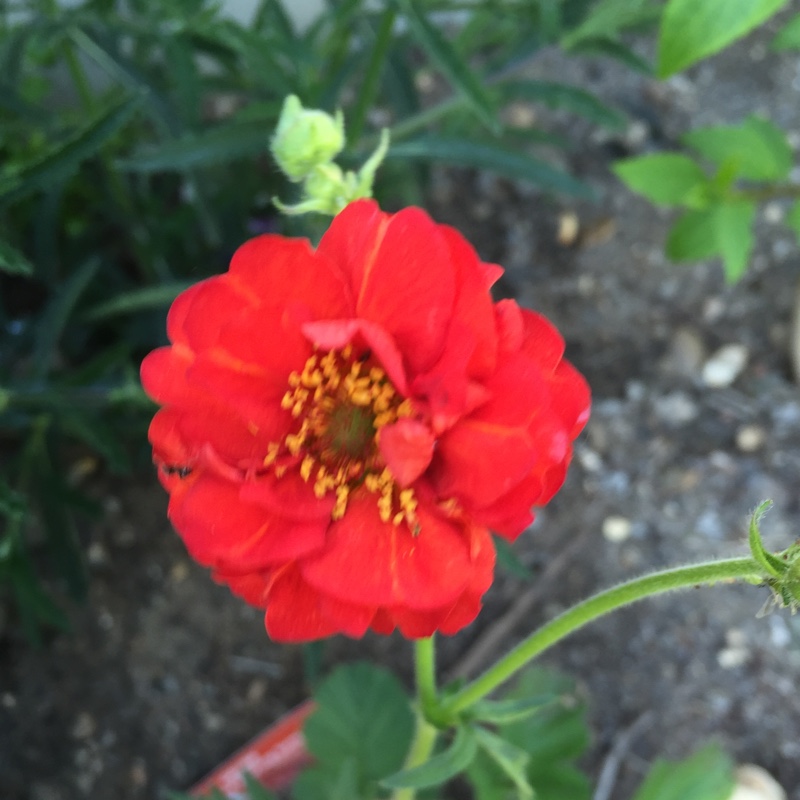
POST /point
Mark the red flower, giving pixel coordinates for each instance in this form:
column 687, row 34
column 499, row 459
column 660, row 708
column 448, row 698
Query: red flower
column 341, row 427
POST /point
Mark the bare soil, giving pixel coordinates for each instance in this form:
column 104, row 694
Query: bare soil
column 165, row 673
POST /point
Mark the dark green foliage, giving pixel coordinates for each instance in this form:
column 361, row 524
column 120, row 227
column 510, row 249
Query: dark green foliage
column 134, row 144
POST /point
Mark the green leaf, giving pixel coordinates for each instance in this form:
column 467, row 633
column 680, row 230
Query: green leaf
column 608, row 17
column 691, row 30
column 60, row 530
column 57, row 313
column 508, row 559
column 441, row 767
column 364, row 714
column 562, row 95
column 664, row 178
column 757, row 149
column 496, row 158
column 454, row 68
column 707, row 775
column 512, row 760
column 553, row 738
column 793, row 219
column 219, row 145
column 610, row 47
column 136, row 300
column 35, row 606
column 788, row 37
column 724, row 230
column 256, row 790
column 733, row 231
column 13, row 262
column 692, row 237
column 61, row 160
column 330, row 782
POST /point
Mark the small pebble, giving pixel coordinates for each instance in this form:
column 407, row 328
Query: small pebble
column 179, row 572
column 616, row 528
column 84, row 726
column 676, row 408
column 725, row 366
column 568, row 227
column 773, row 213
column 755, row 783
column 737, row 652
column 97, row 554
column 138, row 774
column 750, row 438
column 779, row 632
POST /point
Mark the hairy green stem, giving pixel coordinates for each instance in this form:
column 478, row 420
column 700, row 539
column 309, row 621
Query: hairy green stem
column 420, row 752
column 425, row 672
column 425, row 734
column 591, row 609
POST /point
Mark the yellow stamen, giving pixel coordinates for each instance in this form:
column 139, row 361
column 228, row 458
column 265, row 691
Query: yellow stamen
column 342, row 403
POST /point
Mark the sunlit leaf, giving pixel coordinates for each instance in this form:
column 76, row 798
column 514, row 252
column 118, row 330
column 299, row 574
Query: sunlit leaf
column 664, row 178
column 691, row 30
column 756, row 149
column 733, row 230
column 692, row 237
column 707, row 775
column 788, row 37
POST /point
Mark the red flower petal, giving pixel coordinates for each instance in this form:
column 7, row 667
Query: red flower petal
column 290, row 497
column 221, row 530
column 400, row 274
column 297, row 613
column 495, row 410
column 407, row 449
column 280, row 272
column 367, row 561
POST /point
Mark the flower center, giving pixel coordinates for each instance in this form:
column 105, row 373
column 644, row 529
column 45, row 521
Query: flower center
column 341, row 402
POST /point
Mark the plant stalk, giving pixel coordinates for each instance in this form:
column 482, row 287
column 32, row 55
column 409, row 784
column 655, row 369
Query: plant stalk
column 599, row 605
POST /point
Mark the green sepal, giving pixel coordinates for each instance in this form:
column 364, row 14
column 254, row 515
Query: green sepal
column 771, row 563
column 511, row 759
column 441, row 767
column 502, row 712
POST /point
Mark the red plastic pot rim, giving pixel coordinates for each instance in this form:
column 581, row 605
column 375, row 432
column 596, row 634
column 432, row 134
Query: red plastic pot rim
column 274, row 758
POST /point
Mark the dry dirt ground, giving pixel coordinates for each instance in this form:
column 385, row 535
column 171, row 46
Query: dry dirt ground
column 165, row 673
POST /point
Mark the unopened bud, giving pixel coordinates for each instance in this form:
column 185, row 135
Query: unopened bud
column 306, row 138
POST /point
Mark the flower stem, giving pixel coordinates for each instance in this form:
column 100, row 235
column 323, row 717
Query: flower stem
column 425, row 673
column 591, row 609
column 425, row 735
column 420, row 752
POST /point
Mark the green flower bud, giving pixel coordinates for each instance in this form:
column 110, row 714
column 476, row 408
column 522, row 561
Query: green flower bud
column 305, row 139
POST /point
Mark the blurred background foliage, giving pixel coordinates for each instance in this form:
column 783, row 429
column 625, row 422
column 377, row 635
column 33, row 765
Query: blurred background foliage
column 134, row 160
